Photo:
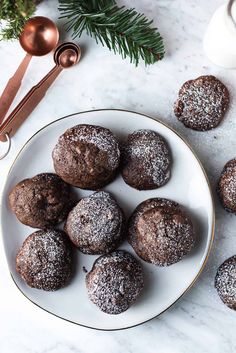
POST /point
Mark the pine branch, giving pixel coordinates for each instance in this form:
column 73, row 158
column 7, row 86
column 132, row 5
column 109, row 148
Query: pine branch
column 122, row 30
column 13, row 15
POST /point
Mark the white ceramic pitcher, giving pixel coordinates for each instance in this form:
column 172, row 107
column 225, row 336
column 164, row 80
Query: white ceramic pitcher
column 220, row 38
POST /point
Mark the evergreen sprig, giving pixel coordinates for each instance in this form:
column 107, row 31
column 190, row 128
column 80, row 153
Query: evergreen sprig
column 122, row 30
column 14, row 14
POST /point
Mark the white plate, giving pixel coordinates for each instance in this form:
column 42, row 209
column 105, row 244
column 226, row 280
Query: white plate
column 164, row 286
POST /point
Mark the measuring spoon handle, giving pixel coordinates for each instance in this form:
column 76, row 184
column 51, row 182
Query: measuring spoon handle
column 12, row 87
column 28, row 104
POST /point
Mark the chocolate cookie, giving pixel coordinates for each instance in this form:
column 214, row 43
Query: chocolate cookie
column 227, row 186
column 96, row 224
column 45, row 260
column 42, row 201
column 202, row 103
column 115, row 282
column 87, row 156
column 225, row 282
column 160, row 232
column 146, row 160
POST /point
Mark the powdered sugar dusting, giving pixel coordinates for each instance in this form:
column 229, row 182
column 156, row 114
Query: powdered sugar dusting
column 227, row 186
column 96, row 224
column 45, row 259
column 146, row 157
column 160, row 232
column 225, row 282
column 115, row 282
column 202, row 103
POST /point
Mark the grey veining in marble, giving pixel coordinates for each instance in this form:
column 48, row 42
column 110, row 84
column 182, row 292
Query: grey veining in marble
column 199, row 322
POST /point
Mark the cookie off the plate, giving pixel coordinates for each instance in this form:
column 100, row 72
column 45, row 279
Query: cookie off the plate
column 202, row 103
column 227, row 186
column 225, row 282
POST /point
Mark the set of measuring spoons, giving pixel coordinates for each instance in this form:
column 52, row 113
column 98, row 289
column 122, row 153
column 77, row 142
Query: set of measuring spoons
column 39, row 37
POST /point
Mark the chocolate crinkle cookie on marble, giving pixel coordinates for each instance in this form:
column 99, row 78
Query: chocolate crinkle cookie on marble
column 45, row 260
column 96, row 224
column 202, row 103
column 225, row 282
column 42, row 201
column 87, row 156
column 115, row 282
column 146, row 160
column 227, row 186
column 161, row 232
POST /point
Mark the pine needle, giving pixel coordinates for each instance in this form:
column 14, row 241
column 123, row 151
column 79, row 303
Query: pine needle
column 122, row 30
column 13, row 15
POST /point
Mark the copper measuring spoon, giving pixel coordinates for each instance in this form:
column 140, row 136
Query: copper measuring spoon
column 39, row 37
column 66, row 55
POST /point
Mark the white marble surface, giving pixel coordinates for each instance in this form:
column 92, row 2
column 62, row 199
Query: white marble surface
column 199, row 321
